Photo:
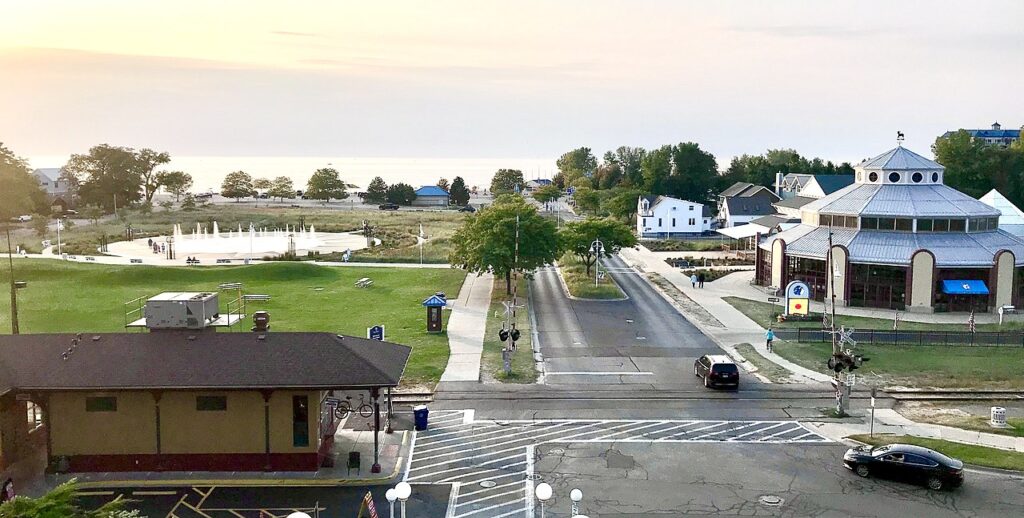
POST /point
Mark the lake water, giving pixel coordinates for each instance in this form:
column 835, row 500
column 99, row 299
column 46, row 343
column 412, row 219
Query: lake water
column 208, row 171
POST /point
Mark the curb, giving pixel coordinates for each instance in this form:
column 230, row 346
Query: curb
column 259, row 482
column 565, row 289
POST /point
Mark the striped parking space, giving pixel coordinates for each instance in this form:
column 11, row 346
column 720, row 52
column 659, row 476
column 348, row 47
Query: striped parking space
column 490, row 464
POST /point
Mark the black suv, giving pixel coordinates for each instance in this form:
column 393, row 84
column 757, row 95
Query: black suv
column 717, row 370
column 388, row 206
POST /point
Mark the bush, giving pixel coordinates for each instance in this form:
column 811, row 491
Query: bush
column 673, row 245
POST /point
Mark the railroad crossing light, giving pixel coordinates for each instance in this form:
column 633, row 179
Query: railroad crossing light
column 503, row 335
column 515, row 335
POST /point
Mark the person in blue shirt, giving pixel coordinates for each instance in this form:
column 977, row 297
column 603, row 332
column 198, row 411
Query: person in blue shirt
column 769, row 335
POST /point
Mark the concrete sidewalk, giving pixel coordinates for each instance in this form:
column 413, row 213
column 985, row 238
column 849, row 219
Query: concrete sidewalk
column 466, row 327
column 737, row 327
column 889, row 421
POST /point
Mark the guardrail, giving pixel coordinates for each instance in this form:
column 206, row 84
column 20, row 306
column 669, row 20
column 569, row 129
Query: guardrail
column 889, row 337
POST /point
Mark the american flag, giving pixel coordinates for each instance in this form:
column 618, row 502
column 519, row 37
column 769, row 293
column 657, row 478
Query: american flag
column 970, row 322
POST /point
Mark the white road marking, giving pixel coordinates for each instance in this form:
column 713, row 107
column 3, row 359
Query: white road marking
column 762, row 430
column 601, row 373
column 748, row 425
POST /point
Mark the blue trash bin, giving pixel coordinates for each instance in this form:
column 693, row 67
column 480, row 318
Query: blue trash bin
column 420, row 414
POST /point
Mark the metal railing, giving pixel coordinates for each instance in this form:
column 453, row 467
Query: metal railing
column 911, row 337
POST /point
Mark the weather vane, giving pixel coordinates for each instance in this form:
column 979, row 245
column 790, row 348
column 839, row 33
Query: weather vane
column 899, row 138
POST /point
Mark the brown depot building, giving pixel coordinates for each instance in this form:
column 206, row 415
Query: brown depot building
column 182, row 400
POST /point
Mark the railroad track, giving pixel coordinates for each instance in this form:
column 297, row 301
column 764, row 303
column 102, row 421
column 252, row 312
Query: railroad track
column 955, row 395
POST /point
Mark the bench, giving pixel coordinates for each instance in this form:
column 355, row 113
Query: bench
column 260, row 298
column 133, row 261
column 223, row 261
column 91, row 258
column 364, row 282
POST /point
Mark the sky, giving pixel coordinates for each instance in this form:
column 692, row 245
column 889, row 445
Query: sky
column 494, row 79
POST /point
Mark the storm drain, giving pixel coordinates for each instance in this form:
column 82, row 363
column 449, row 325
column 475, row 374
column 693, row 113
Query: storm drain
column 770, row 500
column 556, row 451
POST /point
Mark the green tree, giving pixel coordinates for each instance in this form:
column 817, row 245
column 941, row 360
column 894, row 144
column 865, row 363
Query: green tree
column 486, row 242
column 622, row 202
column 547, row 193
column 630, row 159
column 175, row 182
column 970, row 163
column 189, row 203
column 146, row 162
column 62, row 502
column 236, row 185
column 377, row 191
column 262, row 184
column 281, row 188
column 166, row 205
column 505, row 181
column 657, row 167
column 40, row 224
column 443, row 183
column 459, row 194
column 580, row 159
column 587, row 199
column 20, row 193
column 326, row 184
column 693, row 173
column 401, row 193
column 578, row 237
column 105, row 176
column 608, row 175
column 92, row 213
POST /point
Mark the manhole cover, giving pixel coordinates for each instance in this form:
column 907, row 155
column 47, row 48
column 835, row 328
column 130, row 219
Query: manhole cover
column 770, row 500
column 557, row 451
column 488, row 483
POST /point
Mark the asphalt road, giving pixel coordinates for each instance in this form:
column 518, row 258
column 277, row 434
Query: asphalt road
column 643, row 341
column 272, row 502
column 627, row 480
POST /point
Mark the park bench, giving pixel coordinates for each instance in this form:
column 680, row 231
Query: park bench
column 364, row 282
column 256, row 298
column 133, row 261
column 90, row 258
column 223, row 261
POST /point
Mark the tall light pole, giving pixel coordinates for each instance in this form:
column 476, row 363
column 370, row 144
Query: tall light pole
column 598, row 247
column 403, row 490
column 543, row 493
column 15, row 285
column 575, row 495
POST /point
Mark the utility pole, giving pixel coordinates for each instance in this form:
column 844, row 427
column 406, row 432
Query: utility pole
column 14, row 288
column 839, row 376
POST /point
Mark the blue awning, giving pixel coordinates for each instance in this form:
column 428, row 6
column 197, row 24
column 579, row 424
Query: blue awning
column 964, row 288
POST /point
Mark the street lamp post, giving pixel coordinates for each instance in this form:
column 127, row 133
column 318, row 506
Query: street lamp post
column 598, row 247
column 390, row 495
column 15, row 286
column 402, row 491
column 575, row 495
column 543, row 493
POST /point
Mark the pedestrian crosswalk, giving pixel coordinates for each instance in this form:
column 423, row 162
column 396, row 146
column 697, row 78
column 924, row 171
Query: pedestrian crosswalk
column 490, row 463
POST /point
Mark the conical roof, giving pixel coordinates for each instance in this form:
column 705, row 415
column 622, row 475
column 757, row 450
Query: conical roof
column 900, row 159
column 1011, row 215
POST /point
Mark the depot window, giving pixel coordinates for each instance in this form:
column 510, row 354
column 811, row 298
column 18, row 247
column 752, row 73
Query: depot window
column 101, row 404
column 211, row 403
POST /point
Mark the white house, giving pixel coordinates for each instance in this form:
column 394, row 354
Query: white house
column 664, row 217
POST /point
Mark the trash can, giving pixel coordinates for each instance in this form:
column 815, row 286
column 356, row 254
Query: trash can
column 420, row 414
column 998, row 417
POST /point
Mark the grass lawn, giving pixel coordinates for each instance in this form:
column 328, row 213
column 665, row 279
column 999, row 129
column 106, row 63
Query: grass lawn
column 582, row 285
column 523, row 370
column 765, row 367
column 924, row 366
column 761, row 312
column 960, row 416
column 74, row 297
column 969, row 453
column 396, row 229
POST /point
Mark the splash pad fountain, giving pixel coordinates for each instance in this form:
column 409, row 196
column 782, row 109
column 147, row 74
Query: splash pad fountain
column 211, row 242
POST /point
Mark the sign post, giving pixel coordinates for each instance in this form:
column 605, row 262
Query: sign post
column 375, row 332
column 871, row 433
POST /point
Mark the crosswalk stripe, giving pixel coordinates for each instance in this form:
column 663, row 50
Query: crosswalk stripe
column 717, row 424
column 625, row 431
column 784, row 432
column 675, row 428
column 706, row 435
column 761, row 430
column 528, row 439
column 485, row 509
column 499, row 495
column 516, row 483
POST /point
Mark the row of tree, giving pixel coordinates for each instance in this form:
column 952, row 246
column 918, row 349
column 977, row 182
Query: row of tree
column 21, row 193
column 976, row 167
column 486, row 242
column 403, row 194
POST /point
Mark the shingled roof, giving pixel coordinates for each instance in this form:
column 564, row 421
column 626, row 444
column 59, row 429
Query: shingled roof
column 180, row 360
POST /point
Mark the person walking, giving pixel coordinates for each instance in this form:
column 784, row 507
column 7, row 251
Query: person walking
column 693, row 280
column 769, row 335
column 700, row 280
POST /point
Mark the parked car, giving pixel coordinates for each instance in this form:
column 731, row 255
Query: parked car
column 467, row 208
column 388, row 206
column 906, row 462
column 263, row 196
column 717, row 370
column 298, row 194
column 24, row 217
column 70, row 212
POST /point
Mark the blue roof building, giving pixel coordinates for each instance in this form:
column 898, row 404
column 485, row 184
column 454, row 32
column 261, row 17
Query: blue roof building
column 431, row 196
column 996, row 136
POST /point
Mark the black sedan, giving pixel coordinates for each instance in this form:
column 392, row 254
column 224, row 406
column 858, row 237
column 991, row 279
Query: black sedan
column 906, row 462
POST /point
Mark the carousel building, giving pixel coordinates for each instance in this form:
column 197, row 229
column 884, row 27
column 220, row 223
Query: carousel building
column 900, row 239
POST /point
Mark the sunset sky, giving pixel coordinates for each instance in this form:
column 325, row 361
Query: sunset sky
column 503, row 79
